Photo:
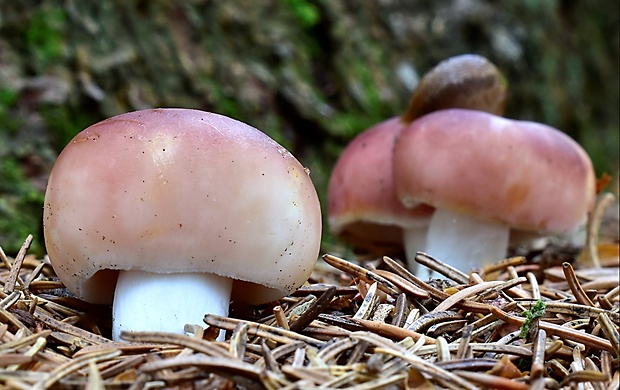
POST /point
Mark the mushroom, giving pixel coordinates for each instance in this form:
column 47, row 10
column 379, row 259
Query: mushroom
column 164, row 212
column 485, row 174
column 363, row 208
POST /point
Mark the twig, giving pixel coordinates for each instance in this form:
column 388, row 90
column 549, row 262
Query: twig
column 573, row 284
column 392, row 332
column 493, row 381
column 75, row 364
column 555, row 330
column 594, row 224
column 362, row 273
column 261, row 330
column 185, row 341
column 9, row 286
column 502, row 265
column 67, row 328
column 280, row 317
column 443, row 268
column 433, row 318
column 436, row 294
column 389, row 347
column 472, row 290
column 211, row 363
column 538, row 355
column 610, row 331
column 313, row 310
column 464, row 347
column 406, row 286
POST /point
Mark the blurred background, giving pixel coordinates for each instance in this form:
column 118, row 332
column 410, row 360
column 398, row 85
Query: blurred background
column 310, row 73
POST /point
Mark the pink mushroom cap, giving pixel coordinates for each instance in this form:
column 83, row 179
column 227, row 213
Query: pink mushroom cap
column 521, row 174
column 178, row 190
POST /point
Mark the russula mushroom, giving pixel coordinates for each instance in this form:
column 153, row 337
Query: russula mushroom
column 362, row 205
column 363, row 208
column 485, row 174
column 163, row 212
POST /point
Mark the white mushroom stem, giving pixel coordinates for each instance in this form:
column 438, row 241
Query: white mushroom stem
column 464, row 242
column 414, row 241
column 147, row 301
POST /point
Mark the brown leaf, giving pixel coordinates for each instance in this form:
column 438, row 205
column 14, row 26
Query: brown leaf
column 505, row 368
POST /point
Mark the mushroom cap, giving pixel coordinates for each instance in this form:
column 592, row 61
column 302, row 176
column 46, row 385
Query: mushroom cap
column 178, row 190
column 523, row 174
column 362, row 204
column 467, row 81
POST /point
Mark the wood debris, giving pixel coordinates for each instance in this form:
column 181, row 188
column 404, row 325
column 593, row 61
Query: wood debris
column 353, row 326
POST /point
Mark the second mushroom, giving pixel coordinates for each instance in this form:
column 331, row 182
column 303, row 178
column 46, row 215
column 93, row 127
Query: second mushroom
column 485, row 175
column 363, row 208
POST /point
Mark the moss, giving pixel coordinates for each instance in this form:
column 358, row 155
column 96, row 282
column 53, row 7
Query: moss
column 20, row 209
column 536, row 312
column 65, row 122
column 20, row 201
column 348, row 125
column 8, row 97
column 305, row 12
column 45, row 36
column 601, row 148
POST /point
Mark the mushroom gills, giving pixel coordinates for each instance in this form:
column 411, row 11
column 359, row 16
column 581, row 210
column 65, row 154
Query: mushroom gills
column 148, row 301
column 464, row 242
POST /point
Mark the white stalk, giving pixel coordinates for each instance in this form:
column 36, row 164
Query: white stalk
column 415, row 241
column 146, row 301
column 464, row 242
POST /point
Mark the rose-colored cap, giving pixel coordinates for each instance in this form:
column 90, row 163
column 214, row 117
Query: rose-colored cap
column 177, row 190
column 524, row 174
column 362, row 204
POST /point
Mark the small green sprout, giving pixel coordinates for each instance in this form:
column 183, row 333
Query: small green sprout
column 537, row 311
